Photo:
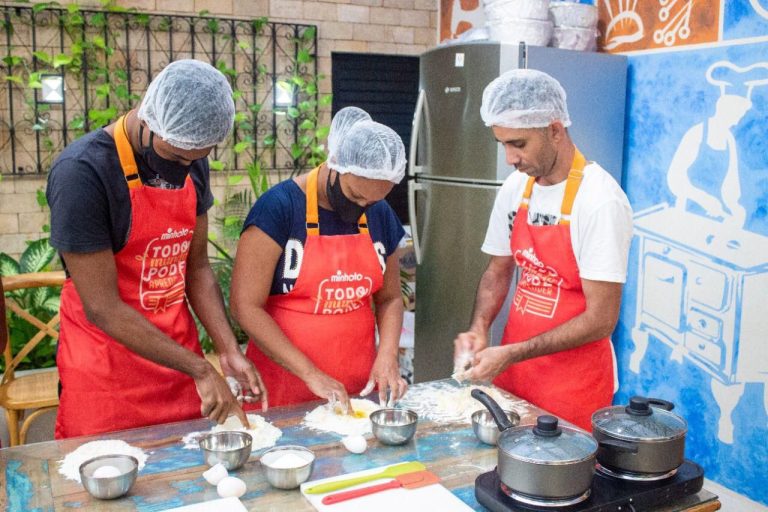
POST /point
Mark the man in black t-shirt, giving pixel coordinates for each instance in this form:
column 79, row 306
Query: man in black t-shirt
column 128, row 216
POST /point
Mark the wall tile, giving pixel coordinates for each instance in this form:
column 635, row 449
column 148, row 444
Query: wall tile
column 214, row 6
column 9, row 223
column 184, row 6
column 19, row 203
column 248, row 8
column 320, row 11
column 33, row 222
column 414, row 18
column 290, row 10
column 385, row 16
column 354, row 13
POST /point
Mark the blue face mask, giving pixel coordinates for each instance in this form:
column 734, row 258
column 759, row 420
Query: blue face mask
column 168, row 170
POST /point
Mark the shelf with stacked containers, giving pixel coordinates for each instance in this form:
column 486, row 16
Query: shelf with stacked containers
column 562, row 24
column 575, row 25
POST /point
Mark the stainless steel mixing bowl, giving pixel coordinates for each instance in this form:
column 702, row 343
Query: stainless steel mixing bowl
column 230, row 448
column 109, row 487
column 485, row 427
column 394, row 426
column 287, row 477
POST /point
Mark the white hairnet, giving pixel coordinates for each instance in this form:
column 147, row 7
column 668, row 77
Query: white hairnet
column 371, row 150
column 340, row 125
column 524, row 98
column 189, row 105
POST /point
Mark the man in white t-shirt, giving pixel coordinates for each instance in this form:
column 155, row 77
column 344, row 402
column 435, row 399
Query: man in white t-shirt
column 565, row 225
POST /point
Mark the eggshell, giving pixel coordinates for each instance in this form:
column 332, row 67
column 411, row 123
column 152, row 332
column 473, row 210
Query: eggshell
column 106, row 472
column 231, row 487
column 215, row 474
column 355, row 444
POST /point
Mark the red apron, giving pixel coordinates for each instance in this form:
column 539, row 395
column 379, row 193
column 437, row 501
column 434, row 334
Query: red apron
column 105, row 386
column 328, row 314
column 571, row 384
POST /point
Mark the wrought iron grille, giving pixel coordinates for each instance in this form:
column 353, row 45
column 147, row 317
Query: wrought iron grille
column 107, row 59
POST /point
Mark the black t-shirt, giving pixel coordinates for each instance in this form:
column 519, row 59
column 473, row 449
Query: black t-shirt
column 88, row 195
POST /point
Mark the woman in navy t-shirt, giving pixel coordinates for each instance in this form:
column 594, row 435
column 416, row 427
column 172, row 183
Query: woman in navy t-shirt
column 316, row 275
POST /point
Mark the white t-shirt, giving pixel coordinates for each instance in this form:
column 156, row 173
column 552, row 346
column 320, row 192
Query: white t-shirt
column 601, row 221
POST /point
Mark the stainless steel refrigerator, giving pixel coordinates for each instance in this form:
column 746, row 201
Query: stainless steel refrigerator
column 456, row 167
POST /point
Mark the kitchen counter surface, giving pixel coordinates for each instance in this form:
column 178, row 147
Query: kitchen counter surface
column 172, row 476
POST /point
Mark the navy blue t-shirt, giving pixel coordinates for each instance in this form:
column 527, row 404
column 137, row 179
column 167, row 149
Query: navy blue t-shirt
column 89, row 199
column 281, row 213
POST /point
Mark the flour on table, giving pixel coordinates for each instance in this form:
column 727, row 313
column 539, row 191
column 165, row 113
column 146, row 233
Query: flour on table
column 327, row 419
column 264, row 434
column 69, row 466
column 445, row 402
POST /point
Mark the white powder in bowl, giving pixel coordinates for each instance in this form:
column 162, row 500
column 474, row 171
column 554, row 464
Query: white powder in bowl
column 69, row 466
column 289, row 460
column 264, row 434
column 326, row 418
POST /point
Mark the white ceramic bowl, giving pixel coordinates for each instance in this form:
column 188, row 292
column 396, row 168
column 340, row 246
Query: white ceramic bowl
column 516, row 30
column 571, row 14
column 574, row 38
column 530, row 9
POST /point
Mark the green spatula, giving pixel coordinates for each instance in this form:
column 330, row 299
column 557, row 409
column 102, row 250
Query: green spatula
column 390, row 472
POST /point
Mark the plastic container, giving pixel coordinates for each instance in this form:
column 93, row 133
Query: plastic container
column 571, row 14
column 526, row 9
column 574, row 38
column 517, row 30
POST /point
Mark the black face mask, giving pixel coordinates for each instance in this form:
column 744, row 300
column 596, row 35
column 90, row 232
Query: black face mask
column 168, row 170
column 349, row 211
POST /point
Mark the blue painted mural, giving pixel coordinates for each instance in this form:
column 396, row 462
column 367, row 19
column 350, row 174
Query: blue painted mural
column 745, row 18
column 694, row 320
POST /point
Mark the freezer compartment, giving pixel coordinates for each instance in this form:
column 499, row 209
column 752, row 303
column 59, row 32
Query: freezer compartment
column 451, row 223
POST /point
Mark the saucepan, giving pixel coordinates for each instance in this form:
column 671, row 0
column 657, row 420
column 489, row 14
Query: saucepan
column 643, row 437
column 547, row 460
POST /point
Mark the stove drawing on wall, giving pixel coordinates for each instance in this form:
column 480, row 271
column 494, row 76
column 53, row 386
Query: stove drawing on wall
column 703, row 278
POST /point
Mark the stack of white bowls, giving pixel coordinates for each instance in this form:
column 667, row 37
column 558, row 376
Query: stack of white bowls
column 575, row 25
column 518, row 21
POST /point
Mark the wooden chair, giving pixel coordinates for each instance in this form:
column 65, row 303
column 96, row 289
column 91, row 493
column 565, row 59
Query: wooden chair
column 38, row 390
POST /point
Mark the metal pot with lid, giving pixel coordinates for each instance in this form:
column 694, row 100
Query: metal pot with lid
column 643, row 437
column 546, row 461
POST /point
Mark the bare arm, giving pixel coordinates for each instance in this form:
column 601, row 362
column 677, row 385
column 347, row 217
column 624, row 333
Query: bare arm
column 95, row 278
column 257, row 257
column 389, row 319
column 205, row 297
column 603, row 301
column 491, row 292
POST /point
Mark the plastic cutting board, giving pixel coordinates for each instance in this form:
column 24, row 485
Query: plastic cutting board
column 431, row 497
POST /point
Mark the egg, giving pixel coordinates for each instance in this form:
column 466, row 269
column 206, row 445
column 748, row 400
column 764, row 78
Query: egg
column 230, row 487
column 106, row 472
column 355, row 444
column 216, row 474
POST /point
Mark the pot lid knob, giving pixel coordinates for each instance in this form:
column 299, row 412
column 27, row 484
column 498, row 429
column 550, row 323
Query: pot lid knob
column 546, row 426
column 639, row 406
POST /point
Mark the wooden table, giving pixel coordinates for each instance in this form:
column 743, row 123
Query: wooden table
column 172, row 475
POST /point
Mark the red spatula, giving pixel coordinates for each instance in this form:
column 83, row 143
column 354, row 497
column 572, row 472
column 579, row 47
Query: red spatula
column 406, row 481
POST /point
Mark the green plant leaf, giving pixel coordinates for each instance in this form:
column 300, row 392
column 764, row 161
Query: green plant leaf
column 42, row 56
column 242, row 146
column 8, row 265
column 40, row 7
column 255, row 108
column 12, row 60
column 216, row 165
column 303, row 56
column 240, row 117
column 309, row 33
column 311, row 89
column 293, row 112
column 16, row 79
column 62, row 60
column 322, row 132
column 36, row 256
column 269, row 140
column 296, row 151
column 41, row 199
column 298, row 80
column 307, row 124
column 326, row 100
column 103, row 90
column 234, row 180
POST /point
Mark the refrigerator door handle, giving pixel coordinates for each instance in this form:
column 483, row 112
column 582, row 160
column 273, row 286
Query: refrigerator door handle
column 413, row 186
column 413, row 169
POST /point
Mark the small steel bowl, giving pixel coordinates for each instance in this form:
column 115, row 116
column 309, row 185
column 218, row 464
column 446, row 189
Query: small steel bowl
column 394, row 426
column 230, row 448
column 110, row 487
column 287, row 478
column 485, row 427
